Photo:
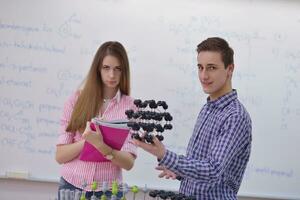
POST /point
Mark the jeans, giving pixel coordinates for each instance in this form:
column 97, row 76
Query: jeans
column 66, row 186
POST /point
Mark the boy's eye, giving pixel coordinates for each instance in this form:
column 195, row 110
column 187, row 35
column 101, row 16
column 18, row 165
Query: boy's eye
column 211, row 68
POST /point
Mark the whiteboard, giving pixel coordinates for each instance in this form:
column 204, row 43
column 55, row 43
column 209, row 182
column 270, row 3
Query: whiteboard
column 46, row 48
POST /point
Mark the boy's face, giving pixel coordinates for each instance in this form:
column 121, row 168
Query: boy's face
column 213, row 76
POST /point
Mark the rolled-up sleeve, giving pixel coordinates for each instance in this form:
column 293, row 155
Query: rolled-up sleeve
column 129, row 146
column 67, row 137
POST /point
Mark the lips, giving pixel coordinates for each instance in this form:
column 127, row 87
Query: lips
column 206, row 83
column 112, row 82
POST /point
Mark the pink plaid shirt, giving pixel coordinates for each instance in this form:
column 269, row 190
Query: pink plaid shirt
column 79, row 172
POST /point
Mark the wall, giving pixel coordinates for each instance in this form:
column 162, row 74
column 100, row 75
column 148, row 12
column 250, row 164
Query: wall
column 46, row 48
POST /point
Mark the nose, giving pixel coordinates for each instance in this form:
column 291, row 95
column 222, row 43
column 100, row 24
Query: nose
column 203, row 74
column 111, row 73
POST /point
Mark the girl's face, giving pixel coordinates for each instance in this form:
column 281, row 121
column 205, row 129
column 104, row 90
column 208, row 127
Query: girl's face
column 111, row 72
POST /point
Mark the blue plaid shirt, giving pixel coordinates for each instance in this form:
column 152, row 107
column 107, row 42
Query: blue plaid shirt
column 218, row 151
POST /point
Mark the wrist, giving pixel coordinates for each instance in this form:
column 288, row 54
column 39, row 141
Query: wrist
column 104, row 148
column 107, row 151
column 161, row 154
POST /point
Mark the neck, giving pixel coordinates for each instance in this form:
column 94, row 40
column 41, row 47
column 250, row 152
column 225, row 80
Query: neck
column 109, row 93
column 225, row 90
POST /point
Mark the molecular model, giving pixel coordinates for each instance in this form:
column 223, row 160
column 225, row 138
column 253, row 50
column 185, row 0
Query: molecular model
column 162, row 195
column 119, row 191
column 149, row 121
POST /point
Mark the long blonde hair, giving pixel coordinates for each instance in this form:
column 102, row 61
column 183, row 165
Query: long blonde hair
column 90, row 99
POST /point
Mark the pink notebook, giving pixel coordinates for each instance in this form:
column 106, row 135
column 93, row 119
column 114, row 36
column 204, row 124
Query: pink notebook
column 114, row 135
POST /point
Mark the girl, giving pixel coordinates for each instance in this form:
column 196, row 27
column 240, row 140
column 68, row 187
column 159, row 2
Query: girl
column 104, row 94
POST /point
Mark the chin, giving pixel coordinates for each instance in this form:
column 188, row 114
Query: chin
column 206, row 91
column 113, row 86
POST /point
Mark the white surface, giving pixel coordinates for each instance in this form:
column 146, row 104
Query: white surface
column 29, row 190
column 46, row 48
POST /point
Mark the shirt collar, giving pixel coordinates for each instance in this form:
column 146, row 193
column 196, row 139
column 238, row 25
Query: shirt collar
column 223, row 100
column 117, row 97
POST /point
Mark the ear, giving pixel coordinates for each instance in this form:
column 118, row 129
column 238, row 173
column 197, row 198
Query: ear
column 230, row 69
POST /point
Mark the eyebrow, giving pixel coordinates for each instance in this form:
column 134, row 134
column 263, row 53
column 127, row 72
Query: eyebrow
column 209, row 64
column 111, row 66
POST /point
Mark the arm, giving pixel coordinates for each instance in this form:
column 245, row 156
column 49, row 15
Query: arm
column 225, row 147
column 67, row 152
column 126, row 156
column 123, row 159
column 227, row 144
column 66, row 149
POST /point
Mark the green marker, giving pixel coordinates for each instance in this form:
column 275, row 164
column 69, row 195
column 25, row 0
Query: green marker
column 134, row 190
column 114, row 188
column 94, row 185
column 82, row 196
column 103, row 197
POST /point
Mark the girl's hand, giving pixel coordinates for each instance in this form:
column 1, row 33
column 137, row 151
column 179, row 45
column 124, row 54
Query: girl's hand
column 93, row 137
